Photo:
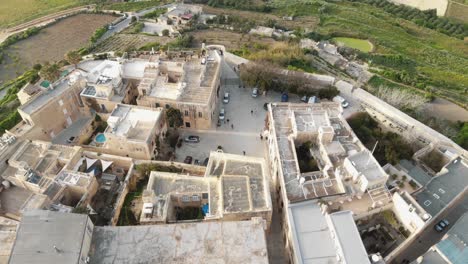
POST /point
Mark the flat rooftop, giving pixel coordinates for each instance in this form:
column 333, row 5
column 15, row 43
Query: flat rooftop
column 41, row 230
column 365, row 164
column 232, row 184
column 105, row 72
column 314, row 241
column 133, row 123
column 187, row 81
column 203, row 242
column 292, row 120
column 60, row 87
column 441, row 190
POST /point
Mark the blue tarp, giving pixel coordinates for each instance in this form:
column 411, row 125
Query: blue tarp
column 205, row 209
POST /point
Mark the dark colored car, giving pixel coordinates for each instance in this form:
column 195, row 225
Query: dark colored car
column 439, row 227
column 196, row 162
column 71, row 139
column 188, row 160
column 192, row 139
column 205, row 162
column 284, row 97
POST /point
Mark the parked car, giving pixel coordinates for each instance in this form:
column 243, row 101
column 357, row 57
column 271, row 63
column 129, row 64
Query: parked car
column 192, row 139
column 313, row 100
column 304, row 98
column 188, row 160
column 226, row 98
column 196, row 162
column 255, row 92
column 284, row 97
column 71, row 140
column 341, row 100
column 205, row 162
column 222, row 114
column 439, row 227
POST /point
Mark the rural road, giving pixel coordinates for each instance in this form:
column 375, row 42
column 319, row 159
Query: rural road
column 126, row 22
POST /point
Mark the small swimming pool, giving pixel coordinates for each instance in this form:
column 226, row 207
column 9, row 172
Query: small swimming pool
column 100, row 138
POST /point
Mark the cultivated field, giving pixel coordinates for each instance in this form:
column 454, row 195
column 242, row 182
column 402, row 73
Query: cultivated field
column 306, row 22
column 13, row 12
column 360, row 44
column 122, row 42
column 51, row 43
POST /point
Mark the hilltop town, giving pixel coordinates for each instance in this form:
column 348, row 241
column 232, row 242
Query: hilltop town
column 201, row 155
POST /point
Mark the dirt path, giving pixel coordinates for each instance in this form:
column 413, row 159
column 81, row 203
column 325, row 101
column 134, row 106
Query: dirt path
column 441, row 107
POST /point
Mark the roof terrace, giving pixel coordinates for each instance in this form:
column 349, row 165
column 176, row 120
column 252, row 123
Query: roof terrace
column 132, row 123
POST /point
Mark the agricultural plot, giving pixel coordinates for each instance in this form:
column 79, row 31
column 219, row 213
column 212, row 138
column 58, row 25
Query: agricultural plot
column 359, row 44
column 309, row 22
column 13, row 12
column 51, row 43
column 123, row 42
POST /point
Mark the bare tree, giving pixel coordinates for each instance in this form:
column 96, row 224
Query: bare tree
column 399, row 98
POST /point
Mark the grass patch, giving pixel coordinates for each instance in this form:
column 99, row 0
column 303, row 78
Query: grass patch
column 132, row 6
column 359, row 44
column 440, row 61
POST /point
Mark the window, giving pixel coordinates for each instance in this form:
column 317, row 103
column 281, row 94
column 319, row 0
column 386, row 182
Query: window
column 158, row 105
column 185, row 198
column 186, row 113
column 200, row 114
column 195, row 198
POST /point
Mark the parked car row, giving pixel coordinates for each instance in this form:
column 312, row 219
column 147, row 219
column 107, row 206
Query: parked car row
column 439, row 227
column 189, row 159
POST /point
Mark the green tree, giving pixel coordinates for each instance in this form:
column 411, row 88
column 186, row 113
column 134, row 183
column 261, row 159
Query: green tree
column 73, row 57
column 50, row 72
column 174, row 117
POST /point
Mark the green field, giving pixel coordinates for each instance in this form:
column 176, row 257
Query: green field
column 440, row 62
column 360, row 44
column 13, row 12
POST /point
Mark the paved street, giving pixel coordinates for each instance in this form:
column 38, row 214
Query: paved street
column 232, row 142
column 429, row 236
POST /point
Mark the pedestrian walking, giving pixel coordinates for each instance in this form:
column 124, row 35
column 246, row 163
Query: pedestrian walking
column 232, row 126
column 227, row 120
column 261, row 137
column 251, row 112
column 244, row 152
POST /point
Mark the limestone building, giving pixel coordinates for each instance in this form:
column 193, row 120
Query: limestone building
column 233, row 188
column 133, row 130
column 188, row 83
column 49, row 112
column 343, row 168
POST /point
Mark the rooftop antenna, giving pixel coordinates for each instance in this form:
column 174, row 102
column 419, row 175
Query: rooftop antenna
column 372, row 153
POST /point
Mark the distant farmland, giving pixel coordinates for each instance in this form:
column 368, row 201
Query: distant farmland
column 13, row 12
